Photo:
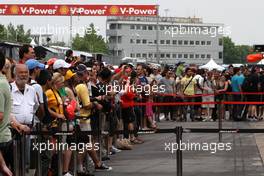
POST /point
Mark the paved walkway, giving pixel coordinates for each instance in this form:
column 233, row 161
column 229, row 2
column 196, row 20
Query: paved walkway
column 151, row 159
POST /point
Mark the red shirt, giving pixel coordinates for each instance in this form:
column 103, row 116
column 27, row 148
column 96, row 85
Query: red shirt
column 128, row 99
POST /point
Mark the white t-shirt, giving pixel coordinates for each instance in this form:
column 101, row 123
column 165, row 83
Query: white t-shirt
column 198, row 80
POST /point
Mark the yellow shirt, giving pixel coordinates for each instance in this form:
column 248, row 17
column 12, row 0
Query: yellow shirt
column 189, row 90
column 54, row 101
column 84, row 99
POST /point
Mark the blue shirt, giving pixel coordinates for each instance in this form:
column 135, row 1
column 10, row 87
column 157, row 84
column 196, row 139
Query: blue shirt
column 236, row 82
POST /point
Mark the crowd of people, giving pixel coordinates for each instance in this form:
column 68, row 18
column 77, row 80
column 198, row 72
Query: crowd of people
column 70, row 95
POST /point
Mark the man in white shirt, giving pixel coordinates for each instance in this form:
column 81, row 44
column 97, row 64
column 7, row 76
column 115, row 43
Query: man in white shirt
column 25, row 102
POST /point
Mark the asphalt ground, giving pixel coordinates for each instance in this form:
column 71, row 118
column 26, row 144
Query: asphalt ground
column 153, row 158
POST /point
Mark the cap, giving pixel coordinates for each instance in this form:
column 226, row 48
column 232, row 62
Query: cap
column 81, row 68
column 60, row 64
column 69, row 75
column 51, row 61
column 33, row 63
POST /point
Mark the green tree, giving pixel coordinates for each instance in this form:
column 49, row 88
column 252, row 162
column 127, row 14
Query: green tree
column 235, row 53
column 14, row 34
column 90, row 42
column 22, row 36
column 2, row 32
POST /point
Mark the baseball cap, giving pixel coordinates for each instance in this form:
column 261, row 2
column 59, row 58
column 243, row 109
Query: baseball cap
column 33, row 63
column 51, row 61
column 60, row 64
column 69, row 75
column 81, row 68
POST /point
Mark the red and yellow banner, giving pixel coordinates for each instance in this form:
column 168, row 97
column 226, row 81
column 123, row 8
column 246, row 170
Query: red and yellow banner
column 77, row 10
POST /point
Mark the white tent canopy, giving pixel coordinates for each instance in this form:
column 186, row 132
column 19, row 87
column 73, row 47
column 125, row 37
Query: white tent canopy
column 211, row 65
column 261, row 62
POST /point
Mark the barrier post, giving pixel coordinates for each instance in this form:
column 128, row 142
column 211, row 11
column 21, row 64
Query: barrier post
column 75, row 151
column 220, row 121
column 23, row 155
column 179, row 132
column 59, row 151
column 39, row 138
column 17, row 156
column 100, row 136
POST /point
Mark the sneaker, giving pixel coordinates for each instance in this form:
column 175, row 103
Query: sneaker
column 112, row 153
column 123, row 145
column 68, row 174
column 103, row 167
column 115, row 149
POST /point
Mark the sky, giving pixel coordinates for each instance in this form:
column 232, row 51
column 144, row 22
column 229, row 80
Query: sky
column 244, row 18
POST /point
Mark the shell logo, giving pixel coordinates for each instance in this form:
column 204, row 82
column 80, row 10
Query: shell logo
column 113, row 10
column 64, row 10
column 14, row 9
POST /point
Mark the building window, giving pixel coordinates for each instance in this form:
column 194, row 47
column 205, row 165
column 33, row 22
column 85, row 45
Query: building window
column 150, row 55
column 179, row 56
column 161, row 28
column 202, row 56
column 112, row 26
column 186, row 42
column 162, row 55
column 138, row 27
column 174, row 42
column 144, row 27
column 208, row 56
column 162, row 42
column 144, row 55
column 155, row 41
column 197, row 56
column 208, row 42
column 167, row 55
column 144, row 41
column 174, row 55
column 202, row 42
column 191, row 56
column 138, row 55
column 180, row 42
column 119, row 26
column 112, row 39
column 132, row 27
column 167, row 42
column 132, row 41
column 119, row 38
column 197, row 42
column 191, row 42
column 132, row 55
column 185, row 56
column 220, row 55
column 119, row 53
column 150, row 27
column 221, row 42
column 138, row 41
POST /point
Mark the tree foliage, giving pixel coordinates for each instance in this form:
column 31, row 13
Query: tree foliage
column 90, row 42
column 235, row 53
column 11, row 33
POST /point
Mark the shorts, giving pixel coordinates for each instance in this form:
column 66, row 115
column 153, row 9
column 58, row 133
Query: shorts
column 84, row 125
column 69, row 127
column 128, row 115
